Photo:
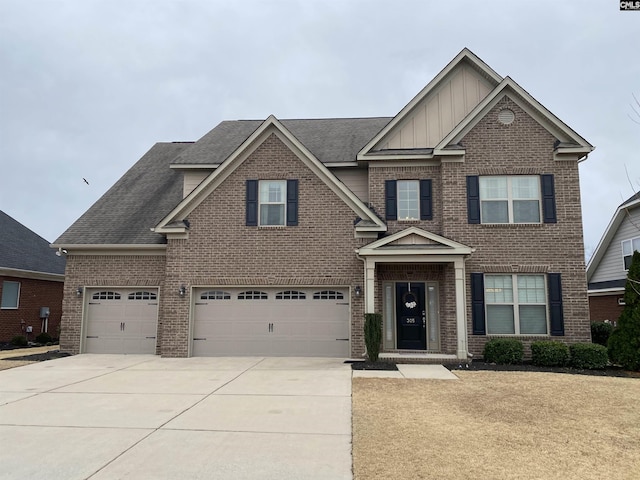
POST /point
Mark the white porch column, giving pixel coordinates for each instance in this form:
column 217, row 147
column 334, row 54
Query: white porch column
column 369, row 285
column 461, row 309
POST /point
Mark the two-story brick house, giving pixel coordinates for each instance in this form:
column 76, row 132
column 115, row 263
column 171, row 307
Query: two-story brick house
column 458, row 219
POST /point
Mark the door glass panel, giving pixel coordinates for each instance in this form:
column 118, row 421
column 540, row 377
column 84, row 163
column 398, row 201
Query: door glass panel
column 432, row 318
column 389, row 317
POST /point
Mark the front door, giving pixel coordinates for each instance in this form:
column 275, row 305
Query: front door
column 411, row 316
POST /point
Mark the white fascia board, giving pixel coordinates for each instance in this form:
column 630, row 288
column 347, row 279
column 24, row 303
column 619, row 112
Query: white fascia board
column 605, row 291
column 420, row 232
column 375, row 158
column 112, row 249
column 341, row 164
column 32, row 274
column 465, row 54
column 195, row 166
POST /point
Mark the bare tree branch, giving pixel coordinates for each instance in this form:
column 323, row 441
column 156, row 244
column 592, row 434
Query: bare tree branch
column 635, row 117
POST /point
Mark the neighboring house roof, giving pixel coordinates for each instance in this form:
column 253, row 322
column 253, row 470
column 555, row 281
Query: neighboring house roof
column 25, row 250
column 128, row 211
column 622, row 211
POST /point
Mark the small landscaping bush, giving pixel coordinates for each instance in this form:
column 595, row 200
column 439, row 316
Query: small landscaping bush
column 19, row 341
column 549, row 353
column 373, row 335
column 44, row 338
column 588, row 355
column 505, row 351
column 600, row 332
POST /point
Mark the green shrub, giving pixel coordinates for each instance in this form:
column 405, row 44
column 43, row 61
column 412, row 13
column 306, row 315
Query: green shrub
column 19, row 341
column 505, row 351
column 588, row 355
column 549, row 353
column 44, row 338
column 373, row 334
column 600, row 332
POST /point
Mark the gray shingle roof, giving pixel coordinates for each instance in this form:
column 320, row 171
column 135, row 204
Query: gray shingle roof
column 24, row 249
column 126, row 213
column 331, row 140
column 151, row 189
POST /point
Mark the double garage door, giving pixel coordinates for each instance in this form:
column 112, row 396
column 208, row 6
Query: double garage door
column 290, row 321
column 121, row 320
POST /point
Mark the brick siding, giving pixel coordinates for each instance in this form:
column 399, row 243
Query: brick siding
column 605, row 307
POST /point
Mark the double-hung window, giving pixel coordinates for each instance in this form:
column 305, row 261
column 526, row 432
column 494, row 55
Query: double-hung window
column 408, row 199
column 273, row 195
column 510, row 199
column 515, row 304
column 10, row 295
column 628, row 247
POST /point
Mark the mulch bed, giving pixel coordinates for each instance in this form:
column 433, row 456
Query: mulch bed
column 39, row 357
column 611, row 371
column 367, row 365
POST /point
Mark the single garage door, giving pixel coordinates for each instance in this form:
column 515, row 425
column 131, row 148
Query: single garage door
column 121, row 320
column 291, row 321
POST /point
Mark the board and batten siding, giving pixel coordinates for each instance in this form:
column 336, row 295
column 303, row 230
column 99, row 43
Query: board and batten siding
column 434, row 117
column 355, row 179
column 611, row 266
column 192, row 179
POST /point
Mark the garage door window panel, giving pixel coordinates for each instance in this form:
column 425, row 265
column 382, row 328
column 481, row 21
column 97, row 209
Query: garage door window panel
column 328, row 295
column 106, row 296
column 252, row 295
column 142, row 296
column 215, row 295
column 291, row 295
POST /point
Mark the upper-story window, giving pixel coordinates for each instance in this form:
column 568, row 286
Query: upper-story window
column 628, row 247
column 272, row 203
column 10, row 295
column 408, row 200
column 510, row 199
column 273, row 194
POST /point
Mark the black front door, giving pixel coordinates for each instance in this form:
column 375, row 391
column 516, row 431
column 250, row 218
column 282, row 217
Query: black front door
column 410, row 315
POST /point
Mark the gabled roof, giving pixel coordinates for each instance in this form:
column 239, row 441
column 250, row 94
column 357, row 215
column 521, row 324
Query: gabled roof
column 125, row 214
column 25, row 250
column 465, row 55
column 630, row 204
column 174, row 221
column 569, row 139
column 331, row 140
column 416, row 241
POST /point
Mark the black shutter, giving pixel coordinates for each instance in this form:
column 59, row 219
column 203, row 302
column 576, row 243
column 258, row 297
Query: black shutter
column 252, row 203
column 556, row 315
column 426, row 204
column 390, row 200
column 473, row 199
column 477, row 304
column 548, row 199
column 292, row 203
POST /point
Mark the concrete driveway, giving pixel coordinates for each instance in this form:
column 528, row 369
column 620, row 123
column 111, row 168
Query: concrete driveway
column 145, row 417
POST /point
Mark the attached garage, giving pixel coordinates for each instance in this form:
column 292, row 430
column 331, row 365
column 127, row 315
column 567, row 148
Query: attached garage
column 286, row 321
column 121, row 320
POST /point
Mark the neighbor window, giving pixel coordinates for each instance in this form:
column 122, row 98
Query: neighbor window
column 515, row 304
column 10, row 295
column 514, row 199
column 408, row 199
column 628, row 247
column 273, row 195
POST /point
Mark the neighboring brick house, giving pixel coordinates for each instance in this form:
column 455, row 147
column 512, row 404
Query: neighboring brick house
column 607, row 269
column 31, row 283
column 459, row 220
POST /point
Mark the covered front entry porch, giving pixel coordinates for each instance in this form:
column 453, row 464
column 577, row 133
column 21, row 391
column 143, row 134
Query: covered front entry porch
column 417, row 280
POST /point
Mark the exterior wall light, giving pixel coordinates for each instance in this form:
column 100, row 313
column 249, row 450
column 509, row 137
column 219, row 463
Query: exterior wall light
column 182, row 291
column 358, row 290
column 79, row 291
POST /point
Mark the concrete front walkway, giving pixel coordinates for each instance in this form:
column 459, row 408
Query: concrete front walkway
column 145, row 417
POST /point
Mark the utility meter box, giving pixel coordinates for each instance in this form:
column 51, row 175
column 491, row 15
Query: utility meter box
column 44, row 312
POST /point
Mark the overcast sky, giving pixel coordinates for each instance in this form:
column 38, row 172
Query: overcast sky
column 88, row 86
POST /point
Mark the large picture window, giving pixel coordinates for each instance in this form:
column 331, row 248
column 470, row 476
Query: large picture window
column 510, row 199
column 10, row 295
column 628, row 247
column 515, row 304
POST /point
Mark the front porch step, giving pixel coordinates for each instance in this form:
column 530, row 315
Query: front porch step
column 421, row 357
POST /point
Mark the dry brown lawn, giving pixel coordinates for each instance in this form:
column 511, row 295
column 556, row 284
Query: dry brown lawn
column 497, row 425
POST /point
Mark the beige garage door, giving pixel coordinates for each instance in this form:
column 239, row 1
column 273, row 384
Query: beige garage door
column 121, row 320
column 291, row 321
